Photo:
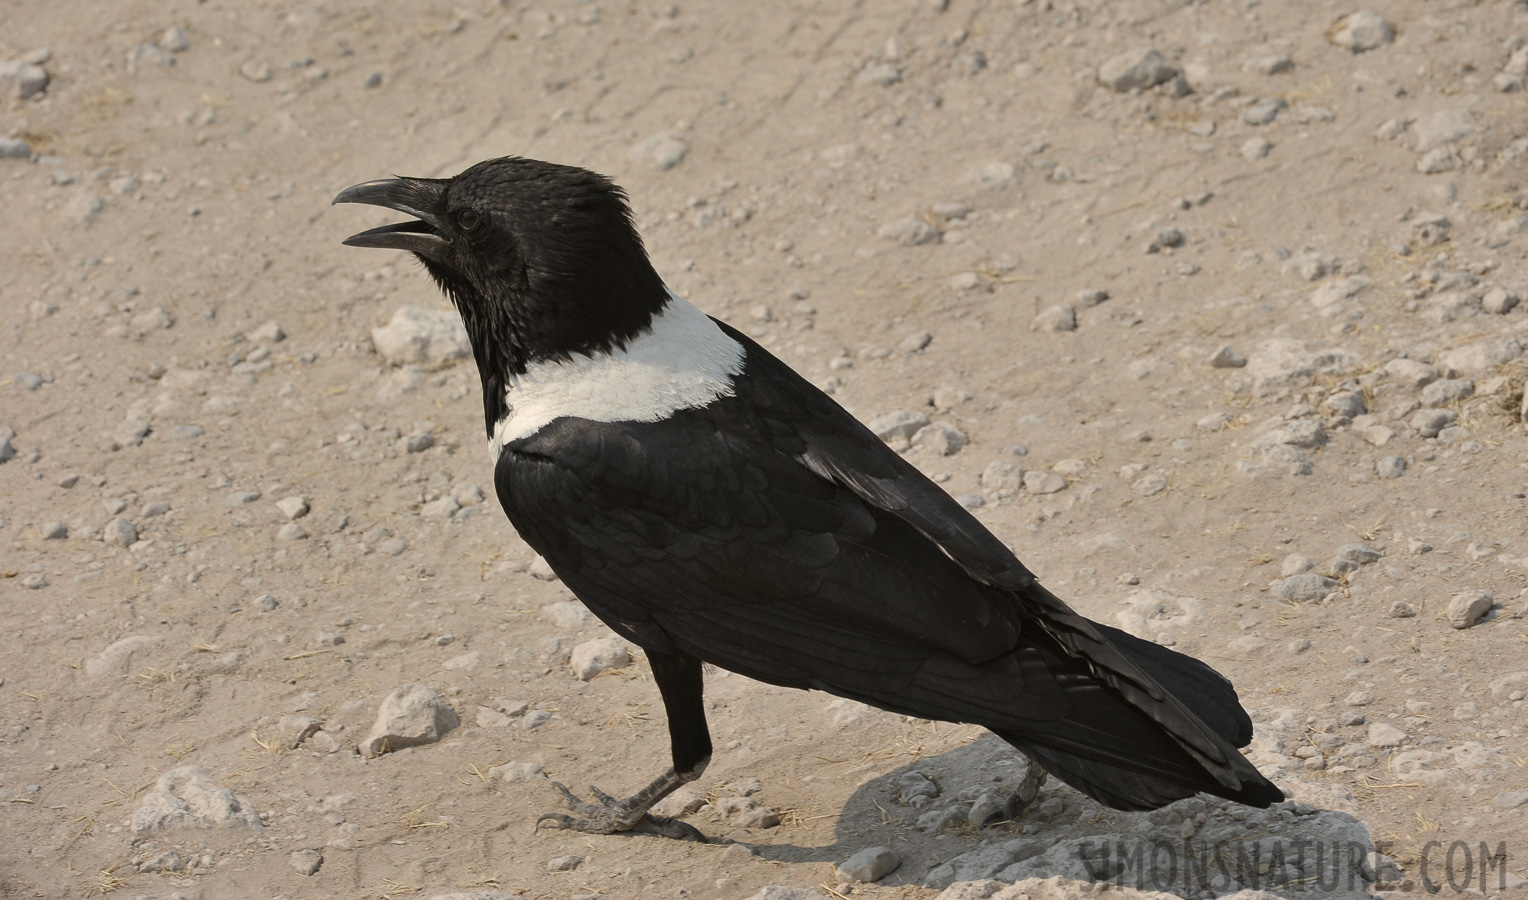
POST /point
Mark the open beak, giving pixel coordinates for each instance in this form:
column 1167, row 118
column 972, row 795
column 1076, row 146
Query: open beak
column 420, row 197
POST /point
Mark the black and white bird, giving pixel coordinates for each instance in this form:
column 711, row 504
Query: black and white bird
column 710, row 505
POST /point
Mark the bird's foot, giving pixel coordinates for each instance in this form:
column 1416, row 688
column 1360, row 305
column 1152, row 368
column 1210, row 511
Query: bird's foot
column 612, row 816
column 1029, row 788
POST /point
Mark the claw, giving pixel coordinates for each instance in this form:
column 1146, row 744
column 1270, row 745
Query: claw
column 612, row 816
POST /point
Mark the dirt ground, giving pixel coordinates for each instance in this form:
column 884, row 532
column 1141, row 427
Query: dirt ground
column 849, row 177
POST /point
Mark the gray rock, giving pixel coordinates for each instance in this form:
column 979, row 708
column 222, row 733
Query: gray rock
column 535, row 719
column 1269, row 65
column 566, row 614
column 1432, row 229
column 564, row 863
column 307, row 862
column 85, row 207
column 915, row 342
column 291, row 531
column 1307, row 434
column 257, row 71
column 1296, row 564
column 1481, row 355
column 1263, row 111
column 418, row 442
column 681, row 803
column 55, row 531
column 187, row 797
column 662, row 151
column 779, row 892
column 295, row 729
column 1344, row 404
column 7, row 452
column 410, row 716
column 294, row 507
column 1382, row 734
column 1002, row 476
column 21, row 80
column 942, row 438
column 1400, row 609
column 175, row 39
column 909, row 232
column 1043, row 482
column 1362, row 31
column 515, row 772
column 1284, row 360
column 870, row 864
column 14, row 148
column 902, row 424
column 1447, row 390
column 915, row 789
column 1510, row 799
column 422, row 336
column 1256, row 148
column 1056, row 318
column 1468, row 607
column 187, row 432
column 1428, row 422
column 117, row 657
column 238, row 499
column 1306, row 588
column 1410, row 372
column 997, row 175
column 746, row 812
column 1499, row 301
column 541, row 570
column 1135, row 70
column 602, row 654
column 267, row 331
column 1445, row 126
column 1352, row 557
column 882, row 74
column 148, row 53
column 119, row 532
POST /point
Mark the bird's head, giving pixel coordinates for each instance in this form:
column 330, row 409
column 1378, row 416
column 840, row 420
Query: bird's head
column 542, row 260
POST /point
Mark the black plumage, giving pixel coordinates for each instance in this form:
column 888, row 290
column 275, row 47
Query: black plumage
column 762, row 529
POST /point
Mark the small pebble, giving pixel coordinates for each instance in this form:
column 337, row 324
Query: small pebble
column 564, row 863
column 1255, row 149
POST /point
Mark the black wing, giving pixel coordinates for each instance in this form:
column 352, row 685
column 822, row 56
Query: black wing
column 773, row 535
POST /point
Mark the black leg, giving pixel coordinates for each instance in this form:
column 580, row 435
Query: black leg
column 679, row 682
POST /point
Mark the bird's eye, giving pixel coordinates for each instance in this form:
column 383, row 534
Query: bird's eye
column 468, row 220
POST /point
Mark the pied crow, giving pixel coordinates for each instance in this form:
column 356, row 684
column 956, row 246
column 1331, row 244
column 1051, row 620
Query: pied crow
column 710, row 505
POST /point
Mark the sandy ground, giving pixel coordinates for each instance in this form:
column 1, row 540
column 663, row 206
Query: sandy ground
column 854, row 175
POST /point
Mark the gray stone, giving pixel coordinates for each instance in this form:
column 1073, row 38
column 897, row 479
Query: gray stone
column 1263, row 111
column 291, row 531
column 117, row 658
column 257, row 71
column 55, row 531
column 942, row 438
column 1135, row 70
column 1256, row 148
column 1306, row 588
column 1447, row 390
column 541, row 570
column 119, row 532
column 410, row 716
column 902, row 424
column 1284, row 360
column 1410, row 372
column 238, row 499
column 1327, row 297
column 307, row 862
column 1344, row 404
column 1056, row 318
column 1468, row 607
column 1445, row 126
column 1296, row 564
column 746, row 812
column 422, row 336
column 1482, row 354
column 662, row 151
column 1499, row 301
column 14, row 148
column 997, row 175
column 593, row 657
column 909, row 232
column 1002, row 476
column 294, row 507
column 882, row 74
column 1352, row 557
column 187, row 797
column 175, row 39
column 1510, row 799
column 1307, row 434
column 564, row 863
column 780, row 892
column 870, row 864
column 1428, row 422
column 1043, row 482
column 295, row 729
column 418, row 442
column 1362, row 31
column 21, row 80
column 1382, row 734
column 515, row 772
column 1269, row 65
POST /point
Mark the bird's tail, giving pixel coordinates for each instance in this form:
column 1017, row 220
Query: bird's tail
column 1127, row 755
